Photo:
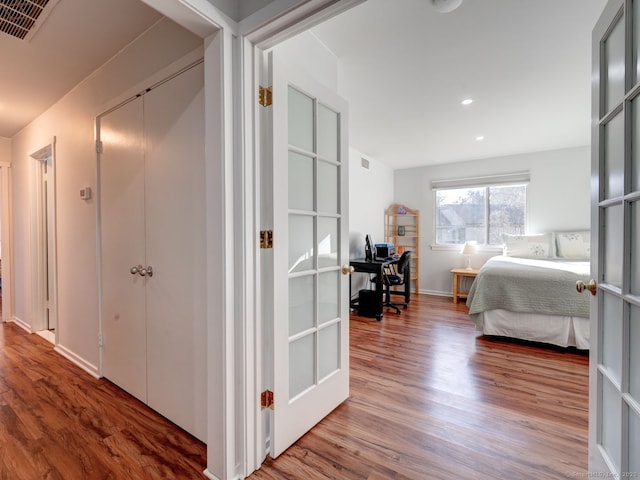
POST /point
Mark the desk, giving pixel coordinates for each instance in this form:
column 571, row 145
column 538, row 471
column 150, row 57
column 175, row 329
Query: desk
column 375, row 267
column 457, row 273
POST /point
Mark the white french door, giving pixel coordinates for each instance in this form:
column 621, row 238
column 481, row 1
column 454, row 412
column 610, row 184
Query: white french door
column 309, row 345
column 152, row 204
column 614, row 410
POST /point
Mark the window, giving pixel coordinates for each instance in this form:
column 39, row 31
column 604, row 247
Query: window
column 481, row 212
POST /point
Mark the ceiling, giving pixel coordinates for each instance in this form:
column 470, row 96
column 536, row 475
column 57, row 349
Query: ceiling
column 403, row 67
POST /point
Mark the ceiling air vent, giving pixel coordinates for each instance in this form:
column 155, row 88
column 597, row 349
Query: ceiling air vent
column 22, row 18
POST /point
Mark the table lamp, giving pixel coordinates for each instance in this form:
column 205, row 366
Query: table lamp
column 468, row 249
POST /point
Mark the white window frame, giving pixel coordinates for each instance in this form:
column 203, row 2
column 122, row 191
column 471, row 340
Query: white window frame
column 503, row 180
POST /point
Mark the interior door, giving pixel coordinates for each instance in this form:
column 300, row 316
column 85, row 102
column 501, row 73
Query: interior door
column 614, row 423
column 310, row 339
column 122, row 195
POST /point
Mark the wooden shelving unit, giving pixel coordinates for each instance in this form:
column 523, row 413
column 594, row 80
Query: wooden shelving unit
column 402, row 228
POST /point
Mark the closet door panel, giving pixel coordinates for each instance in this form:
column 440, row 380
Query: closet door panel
column 175, row 232
column 123, row 247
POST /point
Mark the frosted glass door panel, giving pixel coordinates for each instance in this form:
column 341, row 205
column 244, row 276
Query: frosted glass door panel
column 300, row 243
column 301, row 184
column 635, row 249
column 635, row 138
column 614, row 65
column 329, row 350
column 612, row 336
column 328, row 297
column 611, row 420
column 301, row 304
column 328, row 194
column 613, row 240
column 328, row 131
column 328, row 242
column 301, row 120
column 634, row 442
column 614, row 158
column 634, row 354
column 301, row 365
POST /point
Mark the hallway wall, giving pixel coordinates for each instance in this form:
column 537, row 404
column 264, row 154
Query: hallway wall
column 156, row 53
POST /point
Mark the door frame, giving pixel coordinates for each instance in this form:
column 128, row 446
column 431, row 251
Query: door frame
column 43, row 239
column 6, row 240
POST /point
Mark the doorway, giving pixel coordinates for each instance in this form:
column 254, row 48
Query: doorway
column 43, row 241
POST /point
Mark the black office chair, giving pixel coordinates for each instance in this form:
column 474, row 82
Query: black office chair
column 395, row 275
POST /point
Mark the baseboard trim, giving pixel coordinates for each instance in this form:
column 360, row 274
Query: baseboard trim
column 22, row 324
column 436, row 293
column 77, row 360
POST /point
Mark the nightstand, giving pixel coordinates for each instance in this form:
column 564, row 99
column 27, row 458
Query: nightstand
column 457, row 274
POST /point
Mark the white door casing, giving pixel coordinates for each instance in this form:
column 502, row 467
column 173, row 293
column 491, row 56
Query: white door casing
column 310, row 314
column 153, row 249
column 614, row 375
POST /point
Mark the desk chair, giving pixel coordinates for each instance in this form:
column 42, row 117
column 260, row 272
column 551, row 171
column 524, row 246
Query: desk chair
column 396, row 275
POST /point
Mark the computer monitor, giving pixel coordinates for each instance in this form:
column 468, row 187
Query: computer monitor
column 369, row 248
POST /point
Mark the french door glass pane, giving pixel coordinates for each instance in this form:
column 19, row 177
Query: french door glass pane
column 329, row 350
column 614, row 157
column 613, row 221
column 328, row 194
column 327, row 242
column 634, row 442
column 301, row 364
column 328, row 129
column 300, row 182
column 301, row 301
column 614, row 66
column 328, row 307
column 636, row 42
column 300, row 243
column 635, row 248
column 635, row 139
column 301, row 120
column 611, row 420
column 634, row 354
column 612, row 335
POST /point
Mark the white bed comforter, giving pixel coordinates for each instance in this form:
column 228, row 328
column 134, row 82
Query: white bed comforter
column 529, row 286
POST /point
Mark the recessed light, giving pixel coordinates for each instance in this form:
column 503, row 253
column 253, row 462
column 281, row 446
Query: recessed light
column 480, row 138
column 467, row 101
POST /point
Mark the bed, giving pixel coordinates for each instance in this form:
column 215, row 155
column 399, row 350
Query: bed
column 529, row 292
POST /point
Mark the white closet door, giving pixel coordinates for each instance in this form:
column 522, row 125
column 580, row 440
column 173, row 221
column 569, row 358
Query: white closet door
column 175, row 222
column 153, row 216
column 123, row 247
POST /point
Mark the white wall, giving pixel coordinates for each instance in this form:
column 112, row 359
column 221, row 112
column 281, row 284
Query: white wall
column 558, row 198
column 72, row 121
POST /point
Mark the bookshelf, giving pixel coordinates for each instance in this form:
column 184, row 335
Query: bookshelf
column 402, row 228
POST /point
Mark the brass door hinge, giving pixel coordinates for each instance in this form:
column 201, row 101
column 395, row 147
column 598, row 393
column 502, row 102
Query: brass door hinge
column 265, row 96
column 266, row 399
column 266, row 238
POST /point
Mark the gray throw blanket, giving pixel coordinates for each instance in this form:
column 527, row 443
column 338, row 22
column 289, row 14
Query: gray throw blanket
column 531, row 286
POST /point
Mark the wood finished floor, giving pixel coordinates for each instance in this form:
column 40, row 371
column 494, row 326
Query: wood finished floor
column 430, row 399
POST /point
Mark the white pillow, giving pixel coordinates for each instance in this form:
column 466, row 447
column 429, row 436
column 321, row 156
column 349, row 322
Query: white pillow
column 574, row 245
column 528, row 246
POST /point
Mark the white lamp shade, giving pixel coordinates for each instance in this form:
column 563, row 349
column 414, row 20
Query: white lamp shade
column 469, row 248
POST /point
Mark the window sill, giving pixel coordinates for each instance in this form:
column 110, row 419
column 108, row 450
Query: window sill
column 457, row 248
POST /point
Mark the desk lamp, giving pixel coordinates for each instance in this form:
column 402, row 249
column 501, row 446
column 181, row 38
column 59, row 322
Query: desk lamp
column 468, row 249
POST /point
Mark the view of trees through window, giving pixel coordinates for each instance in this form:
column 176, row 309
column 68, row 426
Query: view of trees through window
column 480, row 214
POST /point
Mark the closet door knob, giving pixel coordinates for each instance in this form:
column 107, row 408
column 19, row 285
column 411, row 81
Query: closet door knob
column 135, row 270
column 147, row 271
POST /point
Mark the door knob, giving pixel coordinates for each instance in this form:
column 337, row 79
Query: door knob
column 591, row 286
column 347, row 270
column 146, row 271
column 135, row 270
